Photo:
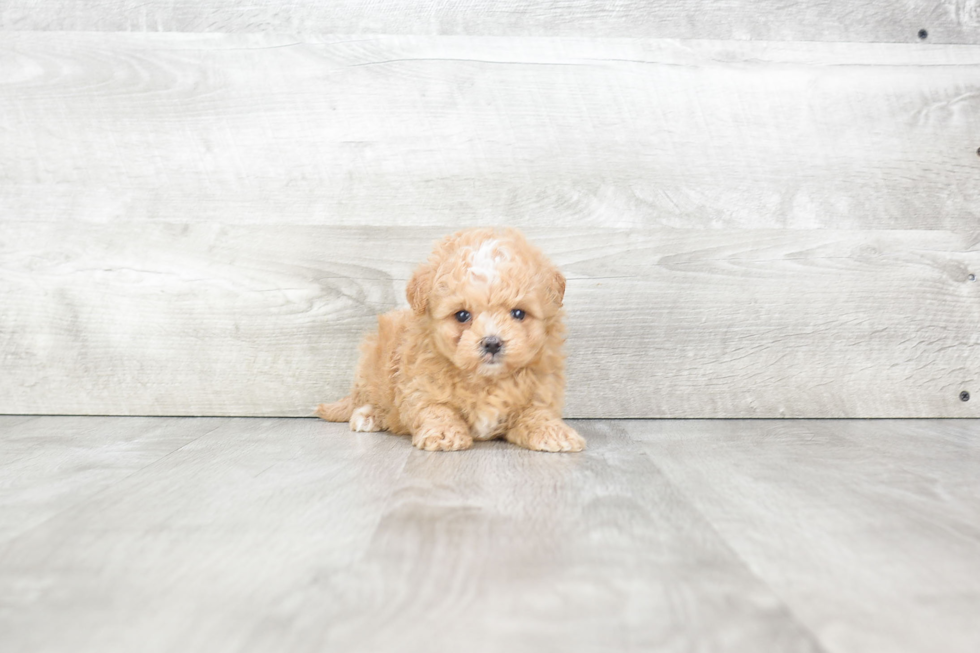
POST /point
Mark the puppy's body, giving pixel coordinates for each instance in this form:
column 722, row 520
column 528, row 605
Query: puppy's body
column 478, row 355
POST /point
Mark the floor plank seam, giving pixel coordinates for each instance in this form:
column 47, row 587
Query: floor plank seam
column 352, row 565
column 99, row 493
column 812, row 536
column 384, row 506
column 804, row 627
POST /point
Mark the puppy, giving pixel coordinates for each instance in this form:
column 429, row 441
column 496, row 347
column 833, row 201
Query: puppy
column 478, row 355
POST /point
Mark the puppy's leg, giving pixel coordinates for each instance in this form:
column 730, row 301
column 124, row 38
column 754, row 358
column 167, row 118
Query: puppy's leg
column 339, row 411
column 541, row 430
column 440, row 428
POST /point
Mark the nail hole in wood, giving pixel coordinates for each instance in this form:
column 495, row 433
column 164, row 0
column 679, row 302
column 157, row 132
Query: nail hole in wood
column 964, row 396
column 971, row 277
column 923, row 34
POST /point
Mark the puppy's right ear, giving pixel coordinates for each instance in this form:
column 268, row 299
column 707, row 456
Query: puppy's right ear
column 419, row 287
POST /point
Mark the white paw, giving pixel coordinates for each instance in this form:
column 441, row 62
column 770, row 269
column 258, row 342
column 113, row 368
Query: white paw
column 364, row 421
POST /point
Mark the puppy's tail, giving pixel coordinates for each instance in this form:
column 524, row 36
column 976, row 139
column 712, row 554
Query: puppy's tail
column 338, row 411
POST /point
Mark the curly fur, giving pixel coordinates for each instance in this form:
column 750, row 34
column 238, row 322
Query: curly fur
column 426, row 374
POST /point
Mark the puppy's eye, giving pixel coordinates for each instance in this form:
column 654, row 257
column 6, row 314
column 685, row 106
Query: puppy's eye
column 462, row 316
column 517, row 314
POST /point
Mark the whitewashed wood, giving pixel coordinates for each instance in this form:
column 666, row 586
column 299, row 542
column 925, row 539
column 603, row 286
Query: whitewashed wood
column 948, row 21
column 502, row 549
column 880, row 515
column 941, row 459
column 851, row 536
column 445, row 131
column 50, row 466
column 299, row 535
column 201, row 550
column 221, row 319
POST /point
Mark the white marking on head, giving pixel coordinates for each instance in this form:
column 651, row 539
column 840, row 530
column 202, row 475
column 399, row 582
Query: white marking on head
column 483, row 262
column 363, row 420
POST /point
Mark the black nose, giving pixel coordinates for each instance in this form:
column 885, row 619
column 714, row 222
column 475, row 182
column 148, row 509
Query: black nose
column 492, row 344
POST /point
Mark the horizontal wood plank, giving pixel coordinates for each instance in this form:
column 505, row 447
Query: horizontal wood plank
column 446, row 131
column 948, row 21
column 189, row 319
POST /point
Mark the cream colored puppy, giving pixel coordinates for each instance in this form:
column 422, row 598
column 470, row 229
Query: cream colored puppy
column 478, row 356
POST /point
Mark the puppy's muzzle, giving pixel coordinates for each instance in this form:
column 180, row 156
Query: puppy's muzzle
column 491, row 345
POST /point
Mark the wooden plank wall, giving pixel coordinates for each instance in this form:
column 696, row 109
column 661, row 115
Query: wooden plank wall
column 764, row 209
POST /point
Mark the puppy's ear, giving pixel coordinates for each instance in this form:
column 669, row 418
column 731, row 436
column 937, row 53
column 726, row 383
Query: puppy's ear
column 556, row 286
column 418, row 288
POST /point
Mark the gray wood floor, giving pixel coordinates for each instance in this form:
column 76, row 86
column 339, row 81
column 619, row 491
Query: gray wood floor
column 227, row 534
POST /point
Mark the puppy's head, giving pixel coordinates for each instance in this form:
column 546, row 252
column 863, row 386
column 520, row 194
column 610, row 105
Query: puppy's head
column 491, row 301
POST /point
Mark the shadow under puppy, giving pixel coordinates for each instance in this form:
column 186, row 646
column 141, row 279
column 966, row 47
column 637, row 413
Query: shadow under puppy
column 478, row 355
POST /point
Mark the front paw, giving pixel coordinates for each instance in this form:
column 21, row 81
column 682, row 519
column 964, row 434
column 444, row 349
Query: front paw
column 364, row 420
column 443, row 437
column 554, row 436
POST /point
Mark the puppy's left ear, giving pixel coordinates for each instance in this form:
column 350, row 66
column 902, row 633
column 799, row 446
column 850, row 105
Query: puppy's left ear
column 556, row 286
column 418, row 288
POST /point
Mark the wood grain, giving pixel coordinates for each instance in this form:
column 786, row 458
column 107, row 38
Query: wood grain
column 53, row 465
column 193, row 552
column 947, row 21
column 843, row 536
column 197, row 319
column 881, row 514
column 299, row 535
column 445, row 131
column 501, row 549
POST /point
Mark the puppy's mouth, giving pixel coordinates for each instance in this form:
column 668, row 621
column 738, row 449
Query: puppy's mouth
column 491, row 365
column 491, row 359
